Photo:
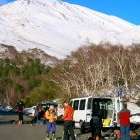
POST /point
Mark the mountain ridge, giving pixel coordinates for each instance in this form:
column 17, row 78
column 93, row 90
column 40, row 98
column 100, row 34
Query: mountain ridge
column 10, row 52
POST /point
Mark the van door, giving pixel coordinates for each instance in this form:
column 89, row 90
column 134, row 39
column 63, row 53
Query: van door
column 82, row 110
column 79, row 113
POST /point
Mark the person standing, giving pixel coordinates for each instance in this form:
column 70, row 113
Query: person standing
column 68, row 122
column 124, row 121
column 50, row 115
column 96, row 125
column 36, row 119
column 20, row 107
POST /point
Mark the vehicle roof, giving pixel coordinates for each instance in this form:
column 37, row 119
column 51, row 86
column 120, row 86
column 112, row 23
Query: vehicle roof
column 78, row 98
column 50, row 103
column 95, row 97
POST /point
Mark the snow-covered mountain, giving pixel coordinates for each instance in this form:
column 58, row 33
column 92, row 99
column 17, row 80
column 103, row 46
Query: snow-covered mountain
column 58, row 27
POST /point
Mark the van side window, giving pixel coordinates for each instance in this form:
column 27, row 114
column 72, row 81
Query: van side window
column 82, row 104
column 76, row 105
column 89, row 103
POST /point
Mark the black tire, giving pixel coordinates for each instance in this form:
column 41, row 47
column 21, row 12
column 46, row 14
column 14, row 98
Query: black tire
column 82, row 128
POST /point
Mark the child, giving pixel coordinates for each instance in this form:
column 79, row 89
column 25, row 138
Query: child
column 117, row 134
column 50, row 115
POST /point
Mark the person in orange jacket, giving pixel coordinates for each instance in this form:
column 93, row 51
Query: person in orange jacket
column 50, row 116
column 68, row 122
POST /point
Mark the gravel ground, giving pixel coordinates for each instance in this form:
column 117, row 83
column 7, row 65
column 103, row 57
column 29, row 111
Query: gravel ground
column 28, row 132
column 10, row 131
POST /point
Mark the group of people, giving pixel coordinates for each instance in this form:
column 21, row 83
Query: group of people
column 51, row 117
column 96, row 122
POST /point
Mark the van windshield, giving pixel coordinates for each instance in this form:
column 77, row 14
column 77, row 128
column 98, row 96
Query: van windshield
column 103, row 106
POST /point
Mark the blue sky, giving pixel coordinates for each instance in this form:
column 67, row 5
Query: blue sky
column 125, row 9
column 5, row 1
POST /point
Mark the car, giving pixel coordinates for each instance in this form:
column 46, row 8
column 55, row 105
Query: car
column 5, row 108
column 1, row 107
column 8, row 108
column 29, row 111
column 47, row 104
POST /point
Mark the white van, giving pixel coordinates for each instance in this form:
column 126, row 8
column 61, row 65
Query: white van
column 84, row 107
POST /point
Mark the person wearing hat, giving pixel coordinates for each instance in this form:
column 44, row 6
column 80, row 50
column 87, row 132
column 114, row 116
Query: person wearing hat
column 50, row 116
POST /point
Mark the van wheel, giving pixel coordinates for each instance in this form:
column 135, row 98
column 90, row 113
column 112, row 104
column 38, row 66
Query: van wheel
column 82, row 127
column 80, row 123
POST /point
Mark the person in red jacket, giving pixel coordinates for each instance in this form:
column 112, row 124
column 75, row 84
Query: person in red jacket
column 124, row 121
column 68, row 122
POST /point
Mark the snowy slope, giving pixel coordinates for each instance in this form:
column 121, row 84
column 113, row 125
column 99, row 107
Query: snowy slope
column 59, row 28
